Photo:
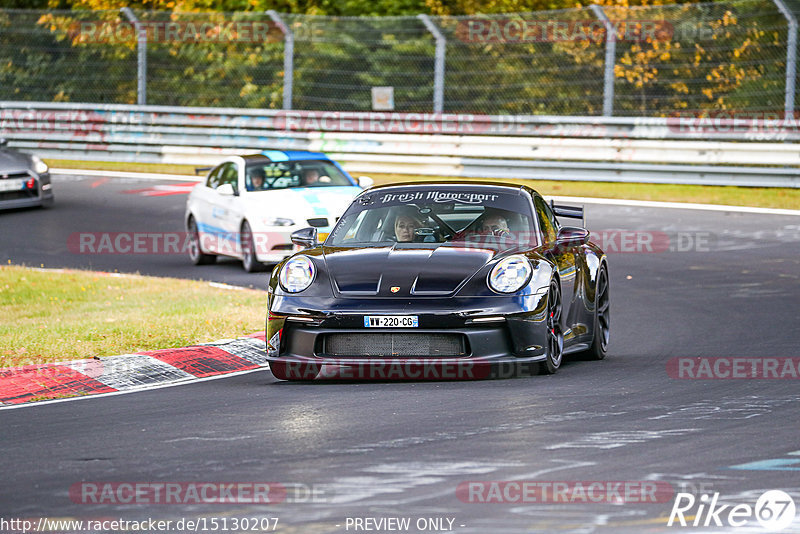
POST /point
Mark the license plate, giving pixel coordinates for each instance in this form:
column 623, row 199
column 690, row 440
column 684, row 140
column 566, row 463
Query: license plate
column 11, row 185
column 391, row 321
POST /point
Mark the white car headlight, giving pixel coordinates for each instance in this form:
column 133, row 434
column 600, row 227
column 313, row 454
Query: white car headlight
column 510, row 274
column 39, row 166
column 297, row 274
column 278, row 221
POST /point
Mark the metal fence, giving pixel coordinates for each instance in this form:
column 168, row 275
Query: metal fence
column 624, row 61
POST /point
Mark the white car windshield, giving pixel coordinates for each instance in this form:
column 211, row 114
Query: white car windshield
column 264, row 176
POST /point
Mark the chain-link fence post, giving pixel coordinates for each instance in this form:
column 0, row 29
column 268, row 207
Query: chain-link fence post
column 141, row 56
column 288, row 57
column 791, row 59
column 611, row 57
column 438, row 68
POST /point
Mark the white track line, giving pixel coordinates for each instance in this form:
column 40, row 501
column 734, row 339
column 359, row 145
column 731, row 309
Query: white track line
column 126, row 174
column 676, row 205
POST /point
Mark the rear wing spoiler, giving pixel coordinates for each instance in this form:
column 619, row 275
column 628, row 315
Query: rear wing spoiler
column 572, row 212
column 198, row 170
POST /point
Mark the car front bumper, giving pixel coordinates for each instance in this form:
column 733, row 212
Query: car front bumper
column 505, row 337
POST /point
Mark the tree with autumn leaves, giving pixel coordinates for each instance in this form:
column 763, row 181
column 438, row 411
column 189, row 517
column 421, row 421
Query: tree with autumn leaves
column 709, row 56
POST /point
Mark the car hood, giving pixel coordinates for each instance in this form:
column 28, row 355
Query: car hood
column 411, row 269
column 303, row 203
column 11, row 160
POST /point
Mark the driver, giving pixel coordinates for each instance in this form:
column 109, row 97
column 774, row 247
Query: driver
column 405, row 224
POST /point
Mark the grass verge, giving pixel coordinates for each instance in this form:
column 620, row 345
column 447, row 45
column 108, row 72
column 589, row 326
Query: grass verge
column 761, row 197
column 51, row 316
column 159, row 168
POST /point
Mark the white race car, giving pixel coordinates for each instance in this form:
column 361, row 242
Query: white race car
column 248, row 206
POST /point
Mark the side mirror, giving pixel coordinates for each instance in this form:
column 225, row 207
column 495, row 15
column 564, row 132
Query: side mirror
column 569, row 236
column 305, row 237
column 3, row 142
column 226, row 190
column 365, row 182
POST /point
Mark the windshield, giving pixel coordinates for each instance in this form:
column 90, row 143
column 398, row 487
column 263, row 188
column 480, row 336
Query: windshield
column 264, row 176
column 463, row 217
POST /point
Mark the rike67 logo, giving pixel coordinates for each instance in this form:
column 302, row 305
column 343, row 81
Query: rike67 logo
column 774, row 510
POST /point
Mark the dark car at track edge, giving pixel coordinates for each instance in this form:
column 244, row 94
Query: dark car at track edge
column 24, row 180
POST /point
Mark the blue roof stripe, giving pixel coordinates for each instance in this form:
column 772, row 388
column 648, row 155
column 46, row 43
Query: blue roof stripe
column 304, row 154
column 276, row 155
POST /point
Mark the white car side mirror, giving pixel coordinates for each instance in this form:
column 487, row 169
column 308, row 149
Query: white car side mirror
column 226, row 190
column 365, row 182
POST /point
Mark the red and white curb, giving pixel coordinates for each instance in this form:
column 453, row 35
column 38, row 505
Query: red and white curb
column 129, row 372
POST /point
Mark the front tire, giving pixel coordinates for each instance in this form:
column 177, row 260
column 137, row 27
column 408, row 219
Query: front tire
column 195, row 250
column 555, row 335
column 602, row 325
column 249, row 260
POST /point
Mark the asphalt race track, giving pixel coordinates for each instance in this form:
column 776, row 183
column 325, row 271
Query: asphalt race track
column 349, row 451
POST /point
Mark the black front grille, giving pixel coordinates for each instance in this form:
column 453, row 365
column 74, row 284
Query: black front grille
column 388, row 345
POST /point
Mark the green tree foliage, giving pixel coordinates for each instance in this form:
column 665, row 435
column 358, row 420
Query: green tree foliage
column 703, row 57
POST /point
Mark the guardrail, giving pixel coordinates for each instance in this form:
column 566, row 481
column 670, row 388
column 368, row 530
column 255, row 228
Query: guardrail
column 747, row 151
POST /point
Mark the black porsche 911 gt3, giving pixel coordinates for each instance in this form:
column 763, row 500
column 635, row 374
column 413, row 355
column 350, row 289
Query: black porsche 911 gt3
column 439, row 281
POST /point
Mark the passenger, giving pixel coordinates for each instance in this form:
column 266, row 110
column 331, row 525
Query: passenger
column 310, row 177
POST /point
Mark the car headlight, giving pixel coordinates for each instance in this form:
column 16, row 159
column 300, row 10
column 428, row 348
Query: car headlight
column 39, row 166
column 297, row 274
column 278, row 221
column 510, row 274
